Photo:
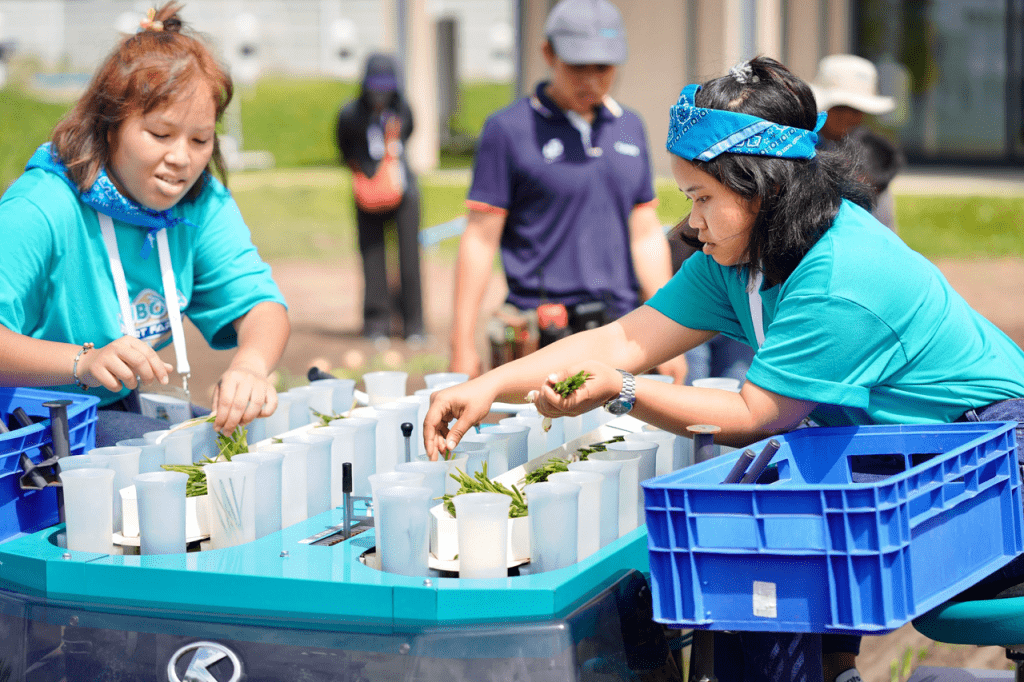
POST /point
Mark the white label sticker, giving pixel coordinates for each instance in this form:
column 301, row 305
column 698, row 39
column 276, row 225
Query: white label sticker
column 764, row 600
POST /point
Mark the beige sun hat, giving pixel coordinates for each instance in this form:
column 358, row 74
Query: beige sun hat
column 846, row 79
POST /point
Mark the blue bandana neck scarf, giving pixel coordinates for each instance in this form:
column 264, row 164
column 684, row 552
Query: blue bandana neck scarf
column 106, row 198
column 698, row 134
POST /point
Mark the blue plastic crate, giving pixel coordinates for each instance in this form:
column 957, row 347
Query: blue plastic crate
column 26, row 511
column 816, row 552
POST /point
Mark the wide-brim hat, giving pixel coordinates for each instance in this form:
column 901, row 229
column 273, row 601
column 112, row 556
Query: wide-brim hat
column 849, row 80
column 586, row 32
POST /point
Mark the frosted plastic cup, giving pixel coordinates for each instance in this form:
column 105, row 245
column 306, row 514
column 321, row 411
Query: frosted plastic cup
column 319, row 397
column 124, row 462
column 629, row 486
column 416, row 444
column 497, row 450
column 475, row 454
column 594, row 418
column 318, row 469
column 298, row 408
column 231, row 487
column 721, row 383
column 355, row 442
column 88, row 509
column 456, row 463
column 129, row 512
column 663, row 378
column 403, row 529
column 555, row 435
column 434, row 475
column 572, row 428
column 436, row 379
column 384, row 387
column 379, row 482
column 342, row 393
column 482, row 522
column 177, row 445
column 151, row 455
column 280, row 421
column 391, row 444
column 646, row 469
column 294, row 499
column 160, row 496
column 268, row 488
column 517, row 448
column 664, row 454
column 553, row 524
column 423, row 396
column 682, row 453
column 204, row 441
column 609, row 495
column 588, row 514
column 536, row 438
column 256, row 430
column 81, row 462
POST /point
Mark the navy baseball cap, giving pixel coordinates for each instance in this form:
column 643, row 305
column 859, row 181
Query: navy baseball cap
column 586, row 32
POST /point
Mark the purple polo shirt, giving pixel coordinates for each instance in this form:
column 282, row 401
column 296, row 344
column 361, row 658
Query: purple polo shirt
column 567, row 200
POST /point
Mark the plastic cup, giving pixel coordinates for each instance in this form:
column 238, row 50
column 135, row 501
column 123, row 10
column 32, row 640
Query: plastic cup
column 476, row 454
column 647, row 468
column 536, row 438
column 609, row 495
column 553, row 524
column 129, row 512
column 572, row 428
column 423, row 396
column 403, row 529
column 721, row 383
column 151, row 455
column 497, row 450
column 88, row 509
column 456, row 463
column 416, row 446
column 298, row 408
column 342, row 394
column 384, row 387
column 517, row 448
column 204, row 441
column 268, row 488
column 391, row 443
column 482, row 522
column 256, row 430
column 231, row 487
column 124, row 462
column 390, row 479
column 294, row 504
column 434, row 475
column 177, row 445
column 588, row 514
column 664, row 455
column 355, row 442
column 629, row 486
column 280, row 421
column 161, row 503
column 318, row 469
column 435, row 379
column 81, row 462
column 319, row 397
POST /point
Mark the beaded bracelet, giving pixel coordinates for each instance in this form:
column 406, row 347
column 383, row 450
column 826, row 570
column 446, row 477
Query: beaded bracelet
column 86, row 347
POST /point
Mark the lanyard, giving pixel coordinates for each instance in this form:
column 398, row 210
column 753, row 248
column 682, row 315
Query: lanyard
column 756, row 311
column 169, row 286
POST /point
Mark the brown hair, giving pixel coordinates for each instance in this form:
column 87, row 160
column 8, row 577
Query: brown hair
column 146, row 71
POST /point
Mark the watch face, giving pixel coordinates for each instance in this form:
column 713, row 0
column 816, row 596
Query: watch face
column 619, row 407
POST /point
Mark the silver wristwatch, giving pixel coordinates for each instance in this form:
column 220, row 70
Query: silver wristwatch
column 623, row 403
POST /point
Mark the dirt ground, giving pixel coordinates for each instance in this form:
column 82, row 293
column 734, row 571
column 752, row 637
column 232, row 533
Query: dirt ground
column 328, row 327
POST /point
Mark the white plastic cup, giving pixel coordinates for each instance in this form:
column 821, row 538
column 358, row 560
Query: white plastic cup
column 497, row 450
column 595, row 418
column 151, row 455
column 572, row 428
column 517, row 448
column 721, row 383
column 280, row 421
column 355, row 442
column 256, row 430
column 456, row 463
column 231, row 487
column 553, row 524
column 160, row 496
column 298, row 408
column 318, row 469
column 664, row 455
column 177, row 445
column 204, row 441
column 416, row 446
column 268, row 488
column 124, row 462
column 403, row 529
column 476, row 454
column 435, row 379
column 434, row 475
column 384, row 387
column 609, row 495
column 536, row 438
column 647, row 468
column 588, row 514
column 423, row 396
column 482, row 522
column 294, row 475
column 88, row 509
column 342, row 394
column 391, row 443
column 81, row 462
column 319, row 397
column 629, row 487
column 390, row 479
column 129, row 512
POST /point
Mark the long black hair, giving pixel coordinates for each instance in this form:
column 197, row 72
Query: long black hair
column 799, row 198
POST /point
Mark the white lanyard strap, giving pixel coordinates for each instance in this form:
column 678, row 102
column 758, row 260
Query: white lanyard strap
column 756, row 311
column 169, row 286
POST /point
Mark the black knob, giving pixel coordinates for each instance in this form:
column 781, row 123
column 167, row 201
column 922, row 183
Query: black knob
column 346, row 477
column 406, row 429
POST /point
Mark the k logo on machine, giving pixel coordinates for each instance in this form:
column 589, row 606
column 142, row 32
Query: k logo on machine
column 204, row 662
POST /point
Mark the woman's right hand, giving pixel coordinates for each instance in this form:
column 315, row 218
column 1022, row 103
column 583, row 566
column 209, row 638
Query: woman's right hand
column 467, row 403
column 125, row 361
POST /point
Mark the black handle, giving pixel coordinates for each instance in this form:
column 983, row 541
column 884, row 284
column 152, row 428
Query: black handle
column 736, row 473
column 316, row 374
column 406, row 429
column 346, row 477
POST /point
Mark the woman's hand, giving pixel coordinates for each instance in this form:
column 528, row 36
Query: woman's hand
column 240, row 396
column 468, row 403
column 126, row 361
column 603, row 384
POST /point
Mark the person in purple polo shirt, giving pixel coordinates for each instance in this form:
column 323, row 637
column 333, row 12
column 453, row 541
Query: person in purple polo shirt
column 562, row 183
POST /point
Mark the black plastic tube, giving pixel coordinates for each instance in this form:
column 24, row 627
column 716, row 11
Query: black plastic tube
column 761, row 463
column 740, row 467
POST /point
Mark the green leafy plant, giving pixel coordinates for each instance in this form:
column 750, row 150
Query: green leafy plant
column 325, row 419
column 227, row 447
column 556, row 464
column 480, row 483
column 566, row 387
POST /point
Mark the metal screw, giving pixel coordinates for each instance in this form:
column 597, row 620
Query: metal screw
column 66, row 556
column 73, row 620
column 284, row 553
column 403, row 648
column 427, row 582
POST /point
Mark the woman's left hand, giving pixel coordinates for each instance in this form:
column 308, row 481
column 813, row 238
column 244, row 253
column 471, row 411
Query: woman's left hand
column 240, row 396
column 603, row 384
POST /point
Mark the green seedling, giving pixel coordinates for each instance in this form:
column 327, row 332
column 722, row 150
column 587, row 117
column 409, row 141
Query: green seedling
column 567, row 387
column 480, row 483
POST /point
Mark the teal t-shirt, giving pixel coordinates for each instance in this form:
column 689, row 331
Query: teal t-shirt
column 56, row 282
column 864, row 326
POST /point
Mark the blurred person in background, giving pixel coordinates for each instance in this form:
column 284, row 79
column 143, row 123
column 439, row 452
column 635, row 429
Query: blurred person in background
column 371, row 134
column 562, row 185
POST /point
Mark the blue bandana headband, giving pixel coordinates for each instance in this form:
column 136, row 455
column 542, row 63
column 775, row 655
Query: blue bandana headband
column 698, row 134
column 106, row 198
